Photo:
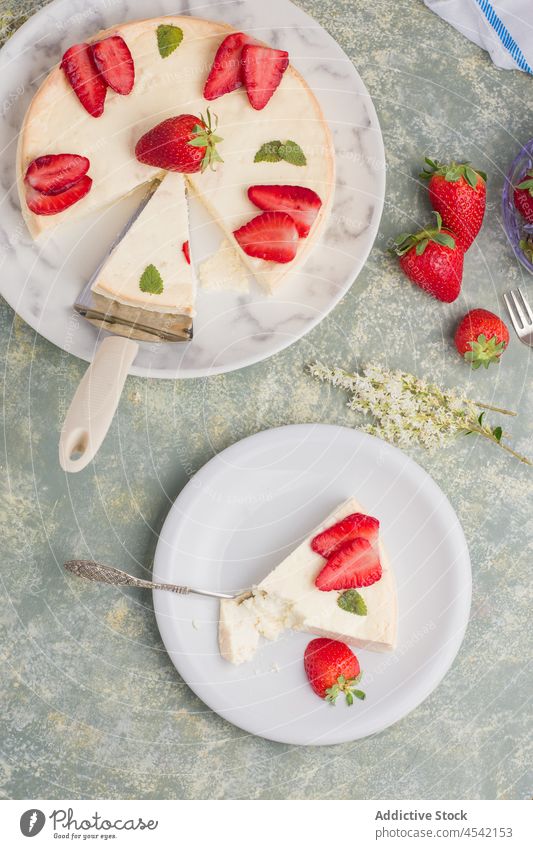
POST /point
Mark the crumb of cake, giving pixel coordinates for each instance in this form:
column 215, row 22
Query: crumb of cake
column 224, row 271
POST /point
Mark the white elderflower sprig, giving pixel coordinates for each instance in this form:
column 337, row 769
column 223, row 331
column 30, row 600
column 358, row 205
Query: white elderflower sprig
column 408, row 410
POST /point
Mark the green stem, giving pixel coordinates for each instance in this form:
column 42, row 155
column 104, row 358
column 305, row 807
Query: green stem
column 502, row 445
column 495, row 409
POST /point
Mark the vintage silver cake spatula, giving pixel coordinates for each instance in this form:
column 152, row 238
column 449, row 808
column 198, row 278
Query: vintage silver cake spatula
column 92, row 409
column 94, row 571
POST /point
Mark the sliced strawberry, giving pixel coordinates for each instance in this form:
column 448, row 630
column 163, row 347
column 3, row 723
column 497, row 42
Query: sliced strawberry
column 354, row 525
column 82, row 74
column 43, row 204
column 300, row 203
column 272, row 236
column 354, row 563
column 113, row 59
column 262, row 69
column 186, row 252
column 56, row 172
column 226, row 71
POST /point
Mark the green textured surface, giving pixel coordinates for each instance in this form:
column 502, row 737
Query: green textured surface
column 91, row 704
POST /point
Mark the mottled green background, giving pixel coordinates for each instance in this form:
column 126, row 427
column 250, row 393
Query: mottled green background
column 91, row 705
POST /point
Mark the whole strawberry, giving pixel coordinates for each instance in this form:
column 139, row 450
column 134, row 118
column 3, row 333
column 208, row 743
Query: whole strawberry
column 332, row 668
column 459, row 194
column 185, row 143
column 481, row 338
column 523, row 196
column 433, row 260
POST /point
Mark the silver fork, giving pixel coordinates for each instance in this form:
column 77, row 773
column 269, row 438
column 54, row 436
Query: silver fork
column 521, row 315
column 117, row 578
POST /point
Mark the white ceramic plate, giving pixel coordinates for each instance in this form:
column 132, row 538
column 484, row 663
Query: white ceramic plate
column 231, row 331
column 248, row 508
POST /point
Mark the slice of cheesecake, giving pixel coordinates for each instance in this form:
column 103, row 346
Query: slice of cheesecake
column 288, row 598
column 148, row 268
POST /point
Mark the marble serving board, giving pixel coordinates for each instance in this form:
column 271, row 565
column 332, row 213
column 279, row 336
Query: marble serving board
column 231, row 330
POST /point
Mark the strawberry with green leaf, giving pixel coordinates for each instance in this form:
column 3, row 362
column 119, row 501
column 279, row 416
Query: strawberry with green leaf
column 459, row 193
column 184, row 143
column 523, row 196
column 332, row 669
column 481, row 338
column 433, row 260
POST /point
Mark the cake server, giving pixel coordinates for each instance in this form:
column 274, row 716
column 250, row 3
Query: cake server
column 92, row 409
column 94, row 571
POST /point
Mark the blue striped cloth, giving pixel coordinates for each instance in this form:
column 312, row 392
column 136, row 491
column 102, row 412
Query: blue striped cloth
column 504, row 29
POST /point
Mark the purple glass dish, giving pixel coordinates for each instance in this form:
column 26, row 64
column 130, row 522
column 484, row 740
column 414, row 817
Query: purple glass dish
column 515, row 226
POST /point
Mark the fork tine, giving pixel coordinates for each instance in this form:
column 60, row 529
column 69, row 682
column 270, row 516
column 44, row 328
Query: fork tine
column 526, row 306
column 510, row 310
column 518, row 308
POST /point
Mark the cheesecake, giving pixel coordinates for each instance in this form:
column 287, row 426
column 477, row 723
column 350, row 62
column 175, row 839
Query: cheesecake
column 149, row 267
column 168, row 83
column 288, row 598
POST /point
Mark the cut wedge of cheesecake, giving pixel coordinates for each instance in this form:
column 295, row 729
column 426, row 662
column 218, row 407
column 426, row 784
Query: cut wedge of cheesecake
column 288, row 598
column 148, row 268
column 169, row 85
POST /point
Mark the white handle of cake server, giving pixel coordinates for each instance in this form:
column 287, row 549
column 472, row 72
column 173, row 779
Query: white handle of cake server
column 92, row 409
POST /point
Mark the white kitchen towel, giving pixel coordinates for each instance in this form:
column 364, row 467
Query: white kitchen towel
column 502, row 27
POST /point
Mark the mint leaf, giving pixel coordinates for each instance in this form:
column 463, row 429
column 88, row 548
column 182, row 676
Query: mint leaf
column 268, row 152
column 151, row 281
column 352, row 602
column 275, row 151
column 168, row 38
column 292, row 153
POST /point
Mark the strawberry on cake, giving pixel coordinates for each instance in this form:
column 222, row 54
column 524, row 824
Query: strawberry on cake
column 182, row 94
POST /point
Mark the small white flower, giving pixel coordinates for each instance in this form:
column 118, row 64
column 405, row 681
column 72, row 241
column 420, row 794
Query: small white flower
column 409, row 410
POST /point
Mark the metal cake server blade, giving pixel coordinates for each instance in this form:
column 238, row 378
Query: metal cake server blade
column 131, row 322
column 96, row 399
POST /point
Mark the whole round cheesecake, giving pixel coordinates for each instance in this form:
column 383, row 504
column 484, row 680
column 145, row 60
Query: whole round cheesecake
column 278, row 150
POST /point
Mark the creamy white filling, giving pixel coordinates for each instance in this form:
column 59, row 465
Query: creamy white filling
column 155, row 238
column 272, row 614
